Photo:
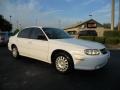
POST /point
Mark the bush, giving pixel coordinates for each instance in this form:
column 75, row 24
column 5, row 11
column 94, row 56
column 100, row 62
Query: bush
column 91, row 38
column 119, row 40
column 100, row 39
column 107, row 40
column 111, row 34
column 111, row 40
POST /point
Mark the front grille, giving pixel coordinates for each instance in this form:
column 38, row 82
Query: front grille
column 103, row 51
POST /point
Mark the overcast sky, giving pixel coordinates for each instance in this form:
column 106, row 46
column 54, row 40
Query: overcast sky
column 56, row 13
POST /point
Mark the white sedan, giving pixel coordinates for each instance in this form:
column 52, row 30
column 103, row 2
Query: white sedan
column 55, row 46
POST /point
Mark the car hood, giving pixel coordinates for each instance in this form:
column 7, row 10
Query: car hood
column 80, row 43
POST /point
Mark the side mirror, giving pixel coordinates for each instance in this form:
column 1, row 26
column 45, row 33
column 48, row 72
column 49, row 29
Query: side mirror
column 41, row 37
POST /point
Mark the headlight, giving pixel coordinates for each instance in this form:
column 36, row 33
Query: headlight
column 92, row 52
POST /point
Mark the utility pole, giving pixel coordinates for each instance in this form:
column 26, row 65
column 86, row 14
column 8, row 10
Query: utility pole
column 90, row 16
column 119, row 17
column 113, row 15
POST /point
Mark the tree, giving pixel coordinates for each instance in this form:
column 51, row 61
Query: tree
column 4, row 24
column 16, row 31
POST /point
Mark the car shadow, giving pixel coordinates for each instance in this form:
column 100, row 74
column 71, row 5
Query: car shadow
column 40, row 65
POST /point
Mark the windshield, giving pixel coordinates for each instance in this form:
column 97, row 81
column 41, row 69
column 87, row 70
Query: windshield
column 54, row 33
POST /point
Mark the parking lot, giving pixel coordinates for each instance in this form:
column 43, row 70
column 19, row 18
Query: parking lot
column 29, row 74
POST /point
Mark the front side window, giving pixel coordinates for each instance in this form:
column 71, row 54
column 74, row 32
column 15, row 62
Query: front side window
column 37, row 33
column 25, row 33
column 54, row 33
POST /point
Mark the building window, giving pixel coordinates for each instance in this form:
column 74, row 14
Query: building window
column 72, row 32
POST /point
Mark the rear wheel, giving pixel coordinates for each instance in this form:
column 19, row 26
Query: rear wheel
column 63, row 63
column 15, row 52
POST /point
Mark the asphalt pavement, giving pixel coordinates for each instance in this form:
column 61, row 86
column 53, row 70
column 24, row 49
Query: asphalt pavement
column 30, row 74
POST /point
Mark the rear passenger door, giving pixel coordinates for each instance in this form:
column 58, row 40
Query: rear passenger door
column 38, row 45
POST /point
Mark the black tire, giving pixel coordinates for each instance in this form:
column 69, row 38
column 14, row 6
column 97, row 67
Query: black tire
column 15, row 52
column 63, row 63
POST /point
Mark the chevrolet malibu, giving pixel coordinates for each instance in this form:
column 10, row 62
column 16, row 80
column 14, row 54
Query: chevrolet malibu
column 56, row 47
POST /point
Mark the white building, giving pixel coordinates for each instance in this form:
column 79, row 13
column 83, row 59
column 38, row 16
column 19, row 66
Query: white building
column 87, row 25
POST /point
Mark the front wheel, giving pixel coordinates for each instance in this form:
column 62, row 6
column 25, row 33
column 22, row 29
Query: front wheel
column 63, row 63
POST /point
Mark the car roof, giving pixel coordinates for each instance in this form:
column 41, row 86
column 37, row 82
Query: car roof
column 34, row 27
column 41, row 27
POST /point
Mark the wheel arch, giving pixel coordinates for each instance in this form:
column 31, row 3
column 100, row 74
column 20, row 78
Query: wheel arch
column 60, row 51
column 13, row 45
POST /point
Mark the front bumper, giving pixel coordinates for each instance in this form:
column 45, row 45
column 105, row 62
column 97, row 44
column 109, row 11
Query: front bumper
column 92, row 62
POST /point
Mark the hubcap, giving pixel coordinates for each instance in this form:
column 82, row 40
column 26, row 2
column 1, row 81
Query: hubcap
column 14, row 52
column 61, row 63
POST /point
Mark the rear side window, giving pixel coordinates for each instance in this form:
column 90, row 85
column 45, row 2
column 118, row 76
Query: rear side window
column 25, row 33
